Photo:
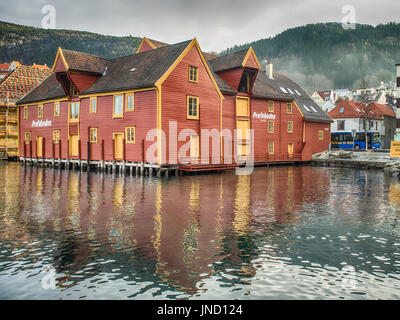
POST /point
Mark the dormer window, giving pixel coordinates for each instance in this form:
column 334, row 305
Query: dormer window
column 341, row 110
column 244, row 84
column 74, row 92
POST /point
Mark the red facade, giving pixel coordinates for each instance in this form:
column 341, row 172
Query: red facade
column 292, row 136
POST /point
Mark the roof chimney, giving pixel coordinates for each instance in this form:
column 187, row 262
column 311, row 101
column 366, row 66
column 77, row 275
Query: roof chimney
column 269, row 69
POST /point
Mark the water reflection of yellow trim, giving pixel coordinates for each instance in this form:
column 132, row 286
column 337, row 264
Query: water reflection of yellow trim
column 39, row 182
column 242, row 205
column 158, row 222
column 190, row 242
column 73, row 206
column 118, row 192
column 290, row 189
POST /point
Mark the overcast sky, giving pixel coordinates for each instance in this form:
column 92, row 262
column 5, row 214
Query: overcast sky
column 217, row 24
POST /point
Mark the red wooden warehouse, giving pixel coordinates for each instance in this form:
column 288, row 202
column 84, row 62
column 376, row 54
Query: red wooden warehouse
column 170, row 105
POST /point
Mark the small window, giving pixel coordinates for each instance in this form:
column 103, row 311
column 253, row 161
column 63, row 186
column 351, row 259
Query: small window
column 27, row 137
column 26, row 112
column 289, row 108
column 193, row 74
column 93, row 105
column 283, row 90
column 130, row 134
column 93, row 135
column 56, row 136
column 270, row 126
column 271, row 147
column 305, row 107
column 40, row 111
column 321, row 135
column 74, row 111
column 341, row 125
column 290, row 127
column 56, row 109
column 130, row 102
column 313, row 109
column 192, row 107
column 270, row 106
column 118, row 106
column 341, row 110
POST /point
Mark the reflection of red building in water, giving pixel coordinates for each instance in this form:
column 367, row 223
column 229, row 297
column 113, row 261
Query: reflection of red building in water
column 177, row 229
column 106, row 109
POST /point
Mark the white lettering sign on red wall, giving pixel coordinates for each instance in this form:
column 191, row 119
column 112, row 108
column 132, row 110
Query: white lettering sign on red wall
column 41, row 123
column 264, row 115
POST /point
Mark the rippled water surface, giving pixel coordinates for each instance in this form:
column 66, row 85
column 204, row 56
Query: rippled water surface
column 281, row 233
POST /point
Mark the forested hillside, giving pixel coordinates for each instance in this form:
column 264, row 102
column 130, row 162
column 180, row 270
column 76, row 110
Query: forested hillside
column 34, row 45
column 325, row 55
column 317, row 56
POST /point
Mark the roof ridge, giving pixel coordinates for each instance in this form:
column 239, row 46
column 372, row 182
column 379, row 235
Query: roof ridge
column 229, row 54
column 89, row 54
column 152, row 50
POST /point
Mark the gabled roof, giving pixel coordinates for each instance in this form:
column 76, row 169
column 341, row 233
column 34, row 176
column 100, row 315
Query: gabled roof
column 288, row 90
column 152, row 43
column 352, row 109
column 230, row 61
column 80, row 61
column 49, row 89
column 139, row 70
column 325, row 95
column 21, row 81
column 383, row 110
column 136, row 71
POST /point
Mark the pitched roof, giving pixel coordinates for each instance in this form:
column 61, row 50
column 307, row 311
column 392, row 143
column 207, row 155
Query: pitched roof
column 288, row 90
column 383, row 110
column 49, row 89
column 158, row 44
column 4, row 66
column 80, row 61
column 21, row 81
column 139, row 70
column 352, row 109
column 229, row 61
column 136, row 71
column 325, row 95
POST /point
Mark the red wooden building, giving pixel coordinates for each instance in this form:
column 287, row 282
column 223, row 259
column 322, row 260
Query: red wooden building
column 170, row 105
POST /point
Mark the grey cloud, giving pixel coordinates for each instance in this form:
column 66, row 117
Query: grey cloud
column 217, row 24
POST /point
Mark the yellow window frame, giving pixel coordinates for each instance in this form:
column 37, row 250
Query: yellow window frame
column 192, row 117
column 129, row 95
column 56, row 136
column 91, row 106
column 57, row 109
column 193, row 74
column 40, row 111
column 320, row 134
column 27, row 137
column 271, row 106
column 290, row 126
column 289, row 108
column 93, row 135
column 118, row 116
column 77, row 103
column 26, row 112
column 271, row 130
column 271, row 143
column 129, row 131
